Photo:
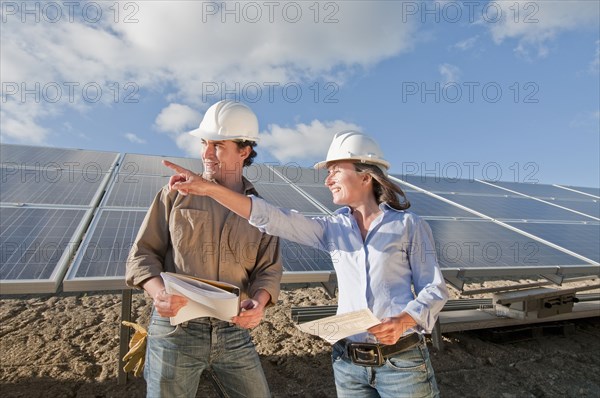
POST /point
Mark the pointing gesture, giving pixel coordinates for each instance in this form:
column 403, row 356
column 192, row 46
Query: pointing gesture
column 186, row 181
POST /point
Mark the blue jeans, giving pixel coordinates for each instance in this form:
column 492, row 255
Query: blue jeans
column 407, row 374
column 177, row 355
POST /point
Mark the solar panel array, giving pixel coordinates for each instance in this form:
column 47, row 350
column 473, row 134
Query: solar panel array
column 47, row 199
column 74, row 214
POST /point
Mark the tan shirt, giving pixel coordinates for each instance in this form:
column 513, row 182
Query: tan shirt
column 195, row 235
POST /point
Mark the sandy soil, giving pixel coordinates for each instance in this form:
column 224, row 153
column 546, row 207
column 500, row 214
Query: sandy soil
column 67, row 346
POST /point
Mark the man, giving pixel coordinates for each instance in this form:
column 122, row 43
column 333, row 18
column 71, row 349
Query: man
column 196, row 236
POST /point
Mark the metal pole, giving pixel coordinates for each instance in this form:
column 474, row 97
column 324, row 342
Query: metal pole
column 124, row 335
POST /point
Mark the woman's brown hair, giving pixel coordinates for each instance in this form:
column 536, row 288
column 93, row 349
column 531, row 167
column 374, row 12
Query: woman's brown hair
column 384, row 189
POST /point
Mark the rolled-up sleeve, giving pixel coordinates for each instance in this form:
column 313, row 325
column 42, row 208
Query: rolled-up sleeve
column 268, row 270
column 147, row 255
column 428, row 280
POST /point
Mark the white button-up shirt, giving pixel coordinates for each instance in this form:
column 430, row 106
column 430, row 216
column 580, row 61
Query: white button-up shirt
column 376, row 273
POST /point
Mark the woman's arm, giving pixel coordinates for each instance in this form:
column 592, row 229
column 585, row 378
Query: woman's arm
column 287, row 224
column 186, row 182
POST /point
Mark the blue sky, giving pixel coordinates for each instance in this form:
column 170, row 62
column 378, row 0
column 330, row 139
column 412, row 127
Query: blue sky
column 504, row 90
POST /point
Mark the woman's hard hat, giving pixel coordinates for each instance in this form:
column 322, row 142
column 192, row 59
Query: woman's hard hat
column 353, row 145
column 228, row 120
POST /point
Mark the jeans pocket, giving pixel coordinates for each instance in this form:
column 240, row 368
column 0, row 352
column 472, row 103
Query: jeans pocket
column 408, row 361
column 161, row 327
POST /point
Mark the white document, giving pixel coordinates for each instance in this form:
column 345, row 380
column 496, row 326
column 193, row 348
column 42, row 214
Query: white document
column 205, row 298
column 334, row 328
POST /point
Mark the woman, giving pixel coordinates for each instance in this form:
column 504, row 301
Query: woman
column 379, row 251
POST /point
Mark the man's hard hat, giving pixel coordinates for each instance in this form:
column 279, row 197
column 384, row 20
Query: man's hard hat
column 356, row 146
column 228, row 120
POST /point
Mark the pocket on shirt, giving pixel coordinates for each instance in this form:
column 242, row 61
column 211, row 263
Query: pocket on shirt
column 186, row 226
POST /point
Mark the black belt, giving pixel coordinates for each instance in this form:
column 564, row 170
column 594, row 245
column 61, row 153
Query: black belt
column 371, row 354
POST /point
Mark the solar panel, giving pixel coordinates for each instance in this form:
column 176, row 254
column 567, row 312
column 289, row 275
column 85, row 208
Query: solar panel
column 41, row 158
column 36, row 245
column 589, row 191
column 283, row 195
column 514, row 208
column 302, row 175
column 425, row 205
column 539, row 190
column 51, row 186
column 468, row 244
column 63, row 186
column 134, row 165
column 299, row 258
column 322, row 195
column 590, row 207
column 100, row 262
column 583, row 239
column 447, row 185
column 133, row 191
column 259, row 172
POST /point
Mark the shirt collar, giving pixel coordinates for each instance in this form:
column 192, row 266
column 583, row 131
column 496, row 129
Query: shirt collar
column 385, row 207
column 248, row 187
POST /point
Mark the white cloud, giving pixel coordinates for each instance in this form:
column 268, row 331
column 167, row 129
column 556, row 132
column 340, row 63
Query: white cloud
column 134, row 138
column 466, row 44
column 192, row 146
column 535, row 24
column 595, row 64
column 176, row 118
column 587, row 121
column 450, row 73
column 23, row 131
column 303, row 142
column 178, row 48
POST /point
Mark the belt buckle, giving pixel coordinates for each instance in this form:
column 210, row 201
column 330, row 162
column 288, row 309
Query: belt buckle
column 365, row 354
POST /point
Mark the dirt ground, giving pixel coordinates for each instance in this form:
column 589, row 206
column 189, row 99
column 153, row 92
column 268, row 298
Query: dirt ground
column 68, row 345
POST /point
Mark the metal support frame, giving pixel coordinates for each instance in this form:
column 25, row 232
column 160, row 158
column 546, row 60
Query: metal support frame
column 436, row 336
column 124, row 335
column 330, row 285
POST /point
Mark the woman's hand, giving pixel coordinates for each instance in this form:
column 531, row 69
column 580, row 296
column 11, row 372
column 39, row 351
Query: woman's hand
column 186, row 181
column 391, row 329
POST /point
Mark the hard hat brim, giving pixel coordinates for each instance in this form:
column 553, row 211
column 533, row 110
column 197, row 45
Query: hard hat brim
column 380, row 163
column 200, row 133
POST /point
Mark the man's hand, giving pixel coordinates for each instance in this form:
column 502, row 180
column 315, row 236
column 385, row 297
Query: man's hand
column 390, row 329
column 186, row 181
column 252, row 310
column 250, row 315
column 168, row 305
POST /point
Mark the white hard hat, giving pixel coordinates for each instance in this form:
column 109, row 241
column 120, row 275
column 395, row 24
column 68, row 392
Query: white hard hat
column 228, row 120
column 353, row 145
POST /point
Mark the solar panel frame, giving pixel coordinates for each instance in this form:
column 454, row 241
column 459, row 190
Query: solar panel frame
column 586, row 190
column 287, row 186
column 499, row 247
column 590, row 207
column 295, row 174
column 35, row 157
column 569, row 236
column 42, row 241
column 134, row 165
column 448, row 185
column 138, row 191
column 257, row 172
column 52, row 187
column 542, row 191
column 293, row 199
column 86, row 271
column 513, row 208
